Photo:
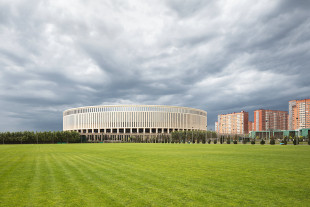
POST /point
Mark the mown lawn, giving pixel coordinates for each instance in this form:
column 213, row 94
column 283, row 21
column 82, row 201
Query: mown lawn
column 154, row 175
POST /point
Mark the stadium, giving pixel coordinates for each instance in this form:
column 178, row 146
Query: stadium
column 121, row 122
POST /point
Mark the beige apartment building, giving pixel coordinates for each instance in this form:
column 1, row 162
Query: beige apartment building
column 234, row 123
column 299, row 114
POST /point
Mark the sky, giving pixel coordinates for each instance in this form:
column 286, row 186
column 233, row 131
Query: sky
column 220, row 56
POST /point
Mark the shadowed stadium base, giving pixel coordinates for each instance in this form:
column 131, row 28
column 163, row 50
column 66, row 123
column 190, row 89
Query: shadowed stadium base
column 154, row 174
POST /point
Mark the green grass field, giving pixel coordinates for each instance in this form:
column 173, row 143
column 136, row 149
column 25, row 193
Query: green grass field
column 154, row 175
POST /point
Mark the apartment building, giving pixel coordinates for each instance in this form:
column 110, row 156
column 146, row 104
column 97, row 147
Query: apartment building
column 234, row 123
column 265, row 120
column 299, row 114
column 250, row 126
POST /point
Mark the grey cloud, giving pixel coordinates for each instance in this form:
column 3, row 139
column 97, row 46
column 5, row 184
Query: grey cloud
column 300, row 5
column 200, row 54
column 19, row 60
column 189, row 8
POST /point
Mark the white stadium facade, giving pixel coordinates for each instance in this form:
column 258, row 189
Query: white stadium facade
column 120, row 122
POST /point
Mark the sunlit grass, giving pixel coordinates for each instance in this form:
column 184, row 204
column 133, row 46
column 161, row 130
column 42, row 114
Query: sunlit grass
column 154, row 175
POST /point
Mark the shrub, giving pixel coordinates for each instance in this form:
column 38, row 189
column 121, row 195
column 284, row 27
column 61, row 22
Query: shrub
column 284, row 142
column 252, row 142
column 215, row 141
column 235, row 142
column 262, row 142
column 209, row 141
column 244, row 141
column 228, row 141
column 309, row 142
column 294, row 141
column 272, row 142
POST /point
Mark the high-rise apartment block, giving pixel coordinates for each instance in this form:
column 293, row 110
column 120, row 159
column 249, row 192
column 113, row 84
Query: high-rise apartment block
column 250, row 126
column 299, row 114
column 270, row 120
column 234, row 123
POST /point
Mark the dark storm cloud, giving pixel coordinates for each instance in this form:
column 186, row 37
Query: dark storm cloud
column 219, row 56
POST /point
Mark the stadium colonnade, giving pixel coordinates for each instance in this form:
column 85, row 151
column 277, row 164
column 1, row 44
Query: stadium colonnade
column 119, row 122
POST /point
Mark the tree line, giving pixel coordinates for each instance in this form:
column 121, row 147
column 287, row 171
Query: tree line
column 50, row 137
column 30, row 137
column 192, row 136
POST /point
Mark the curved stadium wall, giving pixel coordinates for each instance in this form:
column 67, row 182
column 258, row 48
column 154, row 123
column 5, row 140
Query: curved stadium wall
column 122, row 121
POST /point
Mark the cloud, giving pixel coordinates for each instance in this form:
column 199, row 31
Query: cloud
column 219, row 56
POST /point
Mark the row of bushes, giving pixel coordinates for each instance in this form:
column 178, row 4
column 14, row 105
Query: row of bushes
column 30, row 137
column 262, row 142
column 191, row 136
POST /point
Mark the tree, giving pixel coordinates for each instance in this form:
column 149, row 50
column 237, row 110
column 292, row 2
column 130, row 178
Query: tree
column 222, row 139
column 2, row 137
column 174, row 136
column 204, row 138
column 235, row 137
